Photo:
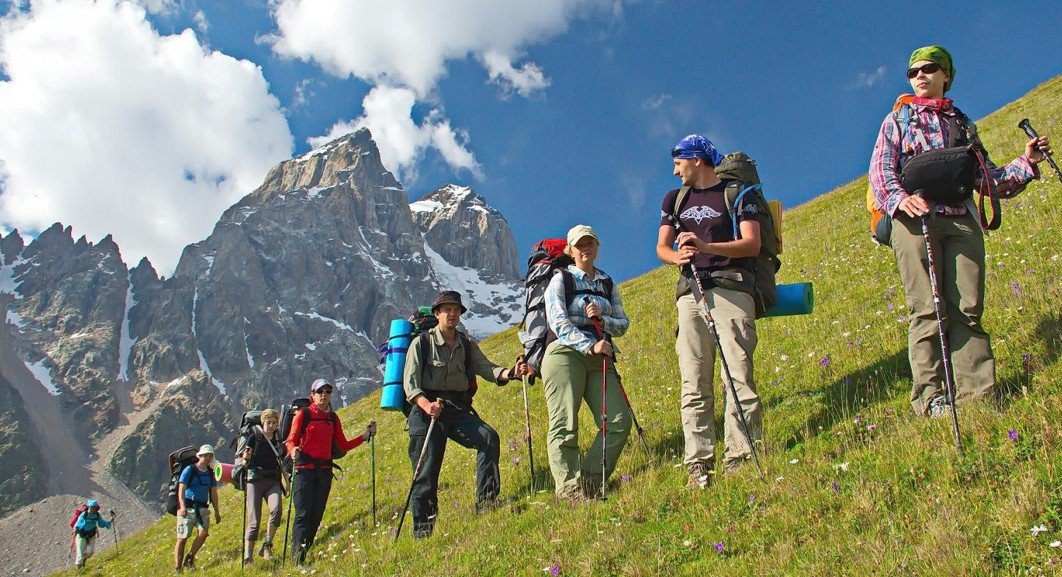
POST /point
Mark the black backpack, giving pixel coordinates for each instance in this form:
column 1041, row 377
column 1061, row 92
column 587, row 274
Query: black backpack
column 178, row 461
column 744, row 181
column 250, row 424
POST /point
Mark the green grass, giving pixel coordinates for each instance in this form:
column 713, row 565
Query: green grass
column 856, row 484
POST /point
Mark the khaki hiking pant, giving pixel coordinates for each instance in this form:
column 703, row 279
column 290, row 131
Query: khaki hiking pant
column 734, row 314
column 959, row 253
column 569, row 378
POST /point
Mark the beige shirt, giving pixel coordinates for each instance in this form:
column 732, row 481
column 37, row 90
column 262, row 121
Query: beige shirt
column 445, row 366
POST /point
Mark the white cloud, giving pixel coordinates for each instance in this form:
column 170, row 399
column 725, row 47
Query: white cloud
column 201, row 22
column 111, row 128
column 868, row 79
column 402, row 142
column 406, row 44
column 524, row 80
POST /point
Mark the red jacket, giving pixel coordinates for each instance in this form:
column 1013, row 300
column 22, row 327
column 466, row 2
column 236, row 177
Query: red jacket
column 316, row 442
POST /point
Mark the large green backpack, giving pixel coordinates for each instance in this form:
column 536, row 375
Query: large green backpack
column 744, row 181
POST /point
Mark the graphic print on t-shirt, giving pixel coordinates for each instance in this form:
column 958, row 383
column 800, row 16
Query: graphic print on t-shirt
column 699, row 213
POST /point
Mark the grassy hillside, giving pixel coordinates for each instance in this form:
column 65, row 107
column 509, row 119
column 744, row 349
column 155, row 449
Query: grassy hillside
column 856, row 484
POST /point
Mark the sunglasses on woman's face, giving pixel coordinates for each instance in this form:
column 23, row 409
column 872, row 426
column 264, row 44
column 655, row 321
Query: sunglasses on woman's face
column 927, row 68
column 323, row 391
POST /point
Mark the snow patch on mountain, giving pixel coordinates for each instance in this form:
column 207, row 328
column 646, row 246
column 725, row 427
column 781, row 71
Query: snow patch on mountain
column 475, row 289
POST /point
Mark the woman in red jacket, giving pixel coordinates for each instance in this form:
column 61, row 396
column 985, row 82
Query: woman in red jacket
column 314, row 432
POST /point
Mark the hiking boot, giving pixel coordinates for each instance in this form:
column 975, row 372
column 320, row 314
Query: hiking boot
column 486, row 506
column 731, row 466
column 189, row 562
column 176, row 570
column 939, row 407
column 266, row 550
column 701, row 474
column 423, row 531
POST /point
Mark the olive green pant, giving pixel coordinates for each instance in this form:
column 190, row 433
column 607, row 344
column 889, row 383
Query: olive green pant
column 734, row 314
column 959, row 254
column 570, row 377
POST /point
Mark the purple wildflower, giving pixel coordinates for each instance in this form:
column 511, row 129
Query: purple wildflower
column 836, row 488
column 871, row 427
column 890, row 306
column 719, row 548
column 1014, row 286
column 554, row 569
column 825, row 362
column 752, row 498
column 1012, row 434
column 626, row 478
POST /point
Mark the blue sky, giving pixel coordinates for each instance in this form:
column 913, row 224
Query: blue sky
column 592, row 94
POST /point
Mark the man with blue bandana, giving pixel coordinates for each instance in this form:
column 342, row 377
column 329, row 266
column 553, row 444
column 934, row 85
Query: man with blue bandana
column 707, row 240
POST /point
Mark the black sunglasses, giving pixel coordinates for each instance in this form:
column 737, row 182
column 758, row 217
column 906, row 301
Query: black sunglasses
column 324, row 391
column 927, row 68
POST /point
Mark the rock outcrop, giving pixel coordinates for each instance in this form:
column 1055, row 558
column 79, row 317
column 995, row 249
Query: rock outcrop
column 298, row 280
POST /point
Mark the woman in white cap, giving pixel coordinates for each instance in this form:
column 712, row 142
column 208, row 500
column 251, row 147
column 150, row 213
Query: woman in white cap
column 315, row 430
column 196, row 487
column 86, row 529
column 578, row 298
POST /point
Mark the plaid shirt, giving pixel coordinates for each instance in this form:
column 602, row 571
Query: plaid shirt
column 926, row 131
column 572, row 326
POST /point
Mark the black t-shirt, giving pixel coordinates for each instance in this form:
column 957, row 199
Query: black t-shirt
column 263, row 458
column 704, row 214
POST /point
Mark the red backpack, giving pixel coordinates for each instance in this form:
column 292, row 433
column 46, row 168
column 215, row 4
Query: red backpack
column 546, row 257
column 77, row 514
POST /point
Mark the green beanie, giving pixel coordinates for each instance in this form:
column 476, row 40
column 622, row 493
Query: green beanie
column 937, row 54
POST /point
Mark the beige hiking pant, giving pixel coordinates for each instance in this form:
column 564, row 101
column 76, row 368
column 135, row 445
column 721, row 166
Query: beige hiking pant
column 569, row 378
column 734, row 314
column 959, row 254
column 86, row 546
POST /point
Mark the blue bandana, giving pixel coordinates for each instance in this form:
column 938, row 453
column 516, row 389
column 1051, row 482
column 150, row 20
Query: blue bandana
column 697, row 146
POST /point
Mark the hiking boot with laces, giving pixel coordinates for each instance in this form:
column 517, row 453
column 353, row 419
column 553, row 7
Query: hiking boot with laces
column 939, row 407
column 590, row 487
column 189, row 562
column 701, row 474
column 266, row 550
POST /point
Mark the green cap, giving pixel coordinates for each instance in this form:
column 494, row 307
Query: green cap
column 937, row 54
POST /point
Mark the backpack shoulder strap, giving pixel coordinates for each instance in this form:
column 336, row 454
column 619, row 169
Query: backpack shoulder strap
column 424, row 348
column 569, row 287
column 735, row 193
column 467, row 344
column 679, row 199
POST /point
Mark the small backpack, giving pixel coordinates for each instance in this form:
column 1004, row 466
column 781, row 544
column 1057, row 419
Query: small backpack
column 77, row 514
column 744, row 180
column 961, row 133
column 547, row 259
column 178, row 461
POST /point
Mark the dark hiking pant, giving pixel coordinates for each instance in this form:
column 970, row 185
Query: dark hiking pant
column 309, row 495
column 465, row 427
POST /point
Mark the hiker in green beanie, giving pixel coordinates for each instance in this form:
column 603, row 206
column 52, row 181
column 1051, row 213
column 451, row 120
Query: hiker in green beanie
column 920, row 127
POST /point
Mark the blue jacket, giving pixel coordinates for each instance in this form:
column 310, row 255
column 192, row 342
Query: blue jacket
column 86, row 522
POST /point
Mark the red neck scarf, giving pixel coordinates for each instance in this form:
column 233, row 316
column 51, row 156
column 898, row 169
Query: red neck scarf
column 938, row 104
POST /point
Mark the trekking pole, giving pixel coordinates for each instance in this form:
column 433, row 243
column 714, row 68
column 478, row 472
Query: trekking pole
column 1027, row 127
column 619, row 380
column 416, row 473
column 372, row 466
column 70, row 552
column 699, row 295
column 945, row 351
column 114, row 533
column 287, row 524
column 527, row 418
column 243, row 534
column 604, row 421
